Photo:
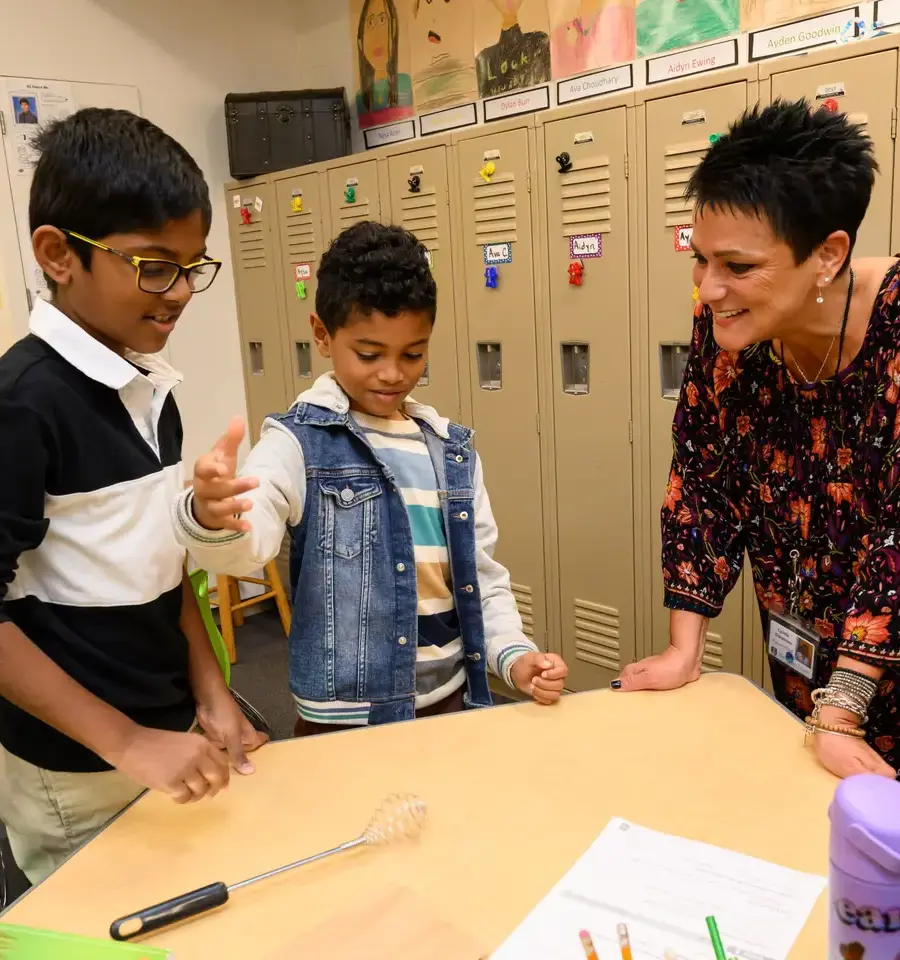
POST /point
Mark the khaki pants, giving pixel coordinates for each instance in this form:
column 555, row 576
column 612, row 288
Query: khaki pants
column 49, row 815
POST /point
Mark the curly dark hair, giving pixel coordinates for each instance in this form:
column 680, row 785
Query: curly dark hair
column 370, row 266
column 807, row 172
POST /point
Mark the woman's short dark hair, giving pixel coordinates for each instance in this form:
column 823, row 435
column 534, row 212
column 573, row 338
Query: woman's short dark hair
column 808, row 172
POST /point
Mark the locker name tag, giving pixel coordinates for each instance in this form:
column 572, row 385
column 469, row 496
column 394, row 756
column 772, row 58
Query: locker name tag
column 352, row 181
column 236, row 201
column 585, row 247
column 587, row 137
column 417, row 170
column 258, row 204
column 303, row 271
column 296, row 193
column 491, row 155
column 683, row 238
column 830, row 90
column 693, row 116
column 497, row 253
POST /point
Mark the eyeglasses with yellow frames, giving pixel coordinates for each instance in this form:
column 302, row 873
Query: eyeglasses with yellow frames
column 159, row 276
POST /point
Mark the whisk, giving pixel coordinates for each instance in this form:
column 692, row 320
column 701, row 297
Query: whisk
column 399, row 817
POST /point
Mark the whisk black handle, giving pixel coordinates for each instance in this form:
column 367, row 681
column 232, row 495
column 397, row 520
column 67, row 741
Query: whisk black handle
column 169, row 911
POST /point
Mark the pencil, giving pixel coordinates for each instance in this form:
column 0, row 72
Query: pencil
column 624, row 942
column 713, row 928
column 588, row 946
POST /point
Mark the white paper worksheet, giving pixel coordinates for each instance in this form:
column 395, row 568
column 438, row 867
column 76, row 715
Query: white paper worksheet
column 663, row 887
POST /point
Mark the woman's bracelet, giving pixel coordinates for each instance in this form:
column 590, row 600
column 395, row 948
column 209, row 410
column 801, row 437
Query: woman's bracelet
column 827, row 697
column 815, row 725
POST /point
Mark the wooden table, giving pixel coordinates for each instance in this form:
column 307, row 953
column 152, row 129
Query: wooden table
column 516, row 794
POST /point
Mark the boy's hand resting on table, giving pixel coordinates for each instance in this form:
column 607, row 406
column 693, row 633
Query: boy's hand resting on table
column 217, row 502
column 540, row 675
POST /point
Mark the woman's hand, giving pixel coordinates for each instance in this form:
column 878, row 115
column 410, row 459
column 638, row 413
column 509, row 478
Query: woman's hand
column 846, row 756
column 665, row 671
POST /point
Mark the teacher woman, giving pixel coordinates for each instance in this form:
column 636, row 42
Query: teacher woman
column 787, row 432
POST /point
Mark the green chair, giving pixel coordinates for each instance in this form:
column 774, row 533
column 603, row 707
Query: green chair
column 200, row 585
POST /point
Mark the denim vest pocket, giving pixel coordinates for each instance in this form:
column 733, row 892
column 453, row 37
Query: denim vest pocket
column 348, row 515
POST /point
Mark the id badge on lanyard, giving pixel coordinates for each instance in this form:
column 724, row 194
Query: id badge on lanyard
column 792, row 641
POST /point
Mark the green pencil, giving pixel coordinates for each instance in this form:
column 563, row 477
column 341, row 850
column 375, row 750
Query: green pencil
column 713, row 928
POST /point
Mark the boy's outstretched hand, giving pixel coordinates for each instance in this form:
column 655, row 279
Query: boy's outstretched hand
column 540, row 675
column 217, row 503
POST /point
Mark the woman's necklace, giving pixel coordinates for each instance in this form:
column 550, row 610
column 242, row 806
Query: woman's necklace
column 830, row 345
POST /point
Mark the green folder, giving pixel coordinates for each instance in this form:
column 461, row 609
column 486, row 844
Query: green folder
column 27, row 943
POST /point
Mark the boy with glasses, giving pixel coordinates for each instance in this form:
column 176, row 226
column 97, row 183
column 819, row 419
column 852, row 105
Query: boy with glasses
column 105, row 665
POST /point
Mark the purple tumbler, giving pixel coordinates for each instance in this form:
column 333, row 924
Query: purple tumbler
column 864, row 881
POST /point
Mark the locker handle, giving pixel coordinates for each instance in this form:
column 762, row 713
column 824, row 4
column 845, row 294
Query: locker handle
column 255, row 349
column 304, row 358
column 490, row 366
column 576, row 361
column 565, row 162
column 424, row 379
column 673, row 359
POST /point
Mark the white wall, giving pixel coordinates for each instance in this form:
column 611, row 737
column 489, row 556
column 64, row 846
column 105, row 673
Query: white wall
column 184, row 58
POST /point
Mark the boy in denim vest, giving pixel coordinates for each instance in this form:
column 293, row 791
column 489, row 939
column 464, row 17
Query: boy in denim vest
column 399, row 606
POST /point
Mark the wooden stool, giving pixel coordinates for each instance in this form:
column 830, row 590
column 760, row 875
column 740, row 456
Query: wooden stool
column 226, row 595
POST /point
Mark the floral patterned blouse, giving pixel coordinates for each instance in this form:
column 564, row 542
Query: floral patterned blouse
column 767, row 465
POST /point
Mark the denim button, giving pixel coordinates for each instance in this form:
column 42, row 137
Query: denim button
column 402, row 641
column 464, row 515
column 346, row 495
column 401, row 567
column 459, row 459
column 475, row 656
column 468, row 588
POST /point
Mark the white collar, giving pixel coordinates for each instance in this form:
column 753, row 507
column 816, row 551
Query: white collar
column 89, row 355
column 327, row 393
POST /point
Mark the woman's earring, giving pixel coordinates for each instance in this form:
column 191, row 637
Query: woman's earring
column 820, row 298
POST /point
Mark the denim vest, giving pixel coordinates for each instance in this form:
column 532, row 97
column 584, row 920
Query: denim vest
column 354, row 621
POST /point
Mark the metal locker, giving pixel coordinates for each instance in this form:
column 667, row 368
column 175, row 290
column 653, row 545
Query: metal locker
column 353, row 194
column 590, row 319
column 677, row 131
column 865, row 88
column 420, row 199
column 498, row 284
column 254, row 251
column 299, row 209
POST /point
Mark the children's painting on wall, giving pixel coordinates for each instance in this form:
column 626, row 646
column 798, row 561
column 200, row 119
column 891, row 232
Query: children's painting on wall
column 766, row 13
column 669, row 24
column 513, row 44
column 589, row 34
column 385, row 89
column 443, row 62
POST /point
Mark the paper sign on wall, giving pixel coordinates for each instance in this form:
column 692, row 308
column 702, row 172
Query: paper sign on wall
column 303, row 271
column 497, row 253
column 586, row 247
column 683, row 236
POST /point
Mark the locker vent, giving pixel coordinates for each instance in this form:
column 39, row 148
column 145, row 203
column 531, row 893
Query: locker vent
column 350, row 213
column 251, row 247
column 597, row 634
column 525, row 602
column 712, row 654
column 419, row 215
column 681, row 158
column 585, row 197
column 495, row 209
column 301, row 237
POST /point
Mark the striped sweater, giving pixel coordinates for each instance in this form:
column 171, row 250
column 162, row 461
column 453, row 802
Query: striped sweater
column 440, row 670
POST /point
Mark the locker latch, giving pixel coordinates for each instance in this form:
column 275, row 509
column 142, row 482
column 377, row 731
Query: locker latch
column 490, row 366
column 576, row 273
column 246, row 216
column 301, row 289
column 565, row 162
column 490, row 277
column 350, row 194
column 576, row 368
column 415, row 183
column 487, row 171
